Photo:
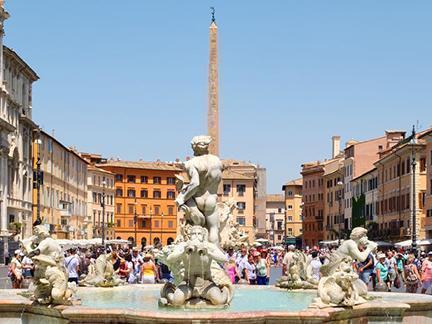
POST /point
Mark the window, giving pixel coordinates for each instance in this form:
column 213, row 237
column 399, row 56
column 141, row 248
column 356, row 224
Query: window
column 119, row 208
column 170, row 210
column 241, row 188
column 170, row 224
column 144, row 179
column 290, row 218
column 171, row 194
column 226, row 189
column 241, row 206
column 131, row 208
column 422, row 165
column 171, row 180
column 144, row 209
column 290, row 231
column 118, row 223
column 290, row 193
column 94, row 197
column 118, row 178
column 290, row 207
column 144, row 193
column 241, row 221
column 157, row 180
column 157, row 194
column 279, row 225
column 131, row 178
column 119, row 192
column 156, row 223
column 157, row 210
column 131, row 223
column 143, row 223
column 131, row 193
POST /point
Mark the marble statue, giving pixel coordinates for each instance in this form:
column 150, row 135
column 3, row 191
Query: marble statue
column 339, row 284
column 101, row 273
column 195, row 258
column 299, row 274
column 50, row 278
column 51, row 284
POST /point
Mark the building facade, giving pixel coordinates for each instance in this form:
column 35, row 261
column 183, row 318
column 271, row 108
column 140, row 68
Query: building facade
column 427, row 137
column 100, row 203
column 275, row 218
column 240, row 187
column 16, row 129
column 398, row 198
column 333, row 200
column 359, row 158
column 61, row 199
column 293, row 211
column 145, row 209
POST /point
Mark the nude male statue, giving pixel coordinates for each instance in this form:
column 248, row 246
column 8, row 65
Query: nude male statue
column 198, row 198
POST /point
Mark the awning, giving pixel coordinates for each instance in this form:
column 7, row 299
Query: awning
column 408, row 243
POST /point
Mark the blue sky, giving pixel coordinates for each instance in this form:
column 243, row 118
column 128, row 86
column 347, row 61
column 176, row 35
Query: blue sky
column 128, row 79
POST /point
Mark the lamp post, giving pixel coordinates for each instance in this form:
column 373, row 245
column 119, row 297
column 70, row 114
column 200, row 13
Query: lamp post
column 340, row 189
column 414, row 216
column 103, row 212
column 135, row 220
column 38, row 181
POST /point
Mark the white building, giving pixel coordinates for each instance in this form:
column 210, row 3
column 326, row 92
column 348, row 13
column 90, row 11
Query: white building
column 16, row 135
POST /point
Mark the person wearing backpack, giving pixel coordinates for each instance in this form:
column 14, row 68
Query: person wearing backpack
column 412, row 276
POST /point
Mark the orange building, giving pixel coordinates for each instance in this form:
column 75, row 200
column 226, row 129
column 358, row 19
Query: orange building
column 427, row 137
column 145, row 209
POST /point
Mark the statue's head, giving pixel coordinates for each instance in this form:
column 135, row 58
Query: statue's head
column 197, row 232
column 200, row 144
column 358, row 233
column 41, row 231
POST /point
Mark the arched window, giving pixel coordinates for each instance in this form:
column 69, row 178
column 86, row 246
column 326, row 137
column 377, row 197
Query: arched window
column 156, row 241
column 143, row 241
column 131, row 239
column 170, row 240
column 118, row 238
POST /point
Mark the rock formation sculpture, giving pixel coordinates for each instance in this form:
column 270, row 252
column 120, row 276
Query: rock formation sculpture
column 101, row 273
column 339, row 284
column 299, row 274
column 195, row 257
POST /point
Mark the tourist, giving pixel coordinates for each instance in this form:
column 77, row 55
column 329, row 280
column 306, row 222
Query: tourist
column 149, row 273
column 137, row 262
column 381, row 271
column 241, row 260
column 250, row 271
column 230, row 254
column 411, row 275
column 287, row 259
column 391, row 264
column 426, row 271
column 125, row 271
column 72, row 266
column 16, row 269
column 365, row 268
column 232, row 271
column 315, row 266
column 28, row 267
column 262, row 269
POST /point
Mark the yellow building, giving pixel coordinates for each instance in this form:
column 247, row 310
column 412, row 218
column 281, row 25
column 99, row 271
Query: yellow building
column 62, row 197
column 333, row 221
column 427, row 138
column 239, row 187
column 293, row 210
column 396, row 192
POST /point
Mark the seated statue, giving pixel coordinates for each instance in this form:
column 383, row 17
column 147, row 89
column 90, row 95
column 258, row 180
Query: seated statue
column 51, row 282
column 203, row 279
column 339, row 284
column 298, row 274
column 101, row 273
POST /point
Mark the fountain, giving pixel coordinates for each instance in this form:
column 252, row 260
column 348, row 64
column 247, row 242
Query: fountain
column 201, row 291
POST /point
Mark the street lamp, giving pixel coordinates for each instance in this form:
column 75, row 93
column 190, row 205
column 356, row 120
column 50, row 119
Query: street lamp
column 103, row 212
column 38, row 181
column 135, row 220
column 414, row 216
column 340, row 190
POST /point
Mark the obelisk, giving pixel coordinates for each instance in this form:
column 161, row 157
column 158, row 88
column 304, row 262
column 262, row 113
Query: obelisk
column 213, row 101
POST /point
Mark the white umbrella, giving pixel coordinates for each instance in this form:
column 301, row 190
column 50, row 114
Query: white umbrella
column 408, row 243
column 257, row 244
column 262, row 240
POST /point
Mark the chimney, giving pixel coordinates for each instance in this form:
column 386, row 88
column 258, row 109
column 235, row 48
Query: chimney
column 335, row 146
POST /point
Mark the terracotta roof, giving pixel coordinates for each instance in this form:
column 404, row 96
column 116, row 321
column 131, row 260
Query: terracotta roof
column 94, row 168
column 142, row 165
column 232, row 162
column 234, row 175
column 275, row 198
column 333, row 166
column 295, row 182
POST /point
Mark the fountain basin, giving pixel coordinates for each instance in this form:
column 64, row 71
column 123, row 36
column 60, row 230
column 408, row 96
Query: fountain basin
column 251, row 304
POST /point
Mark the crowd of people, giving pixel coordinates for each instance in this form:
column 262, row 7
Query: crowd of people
column 381, row 271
